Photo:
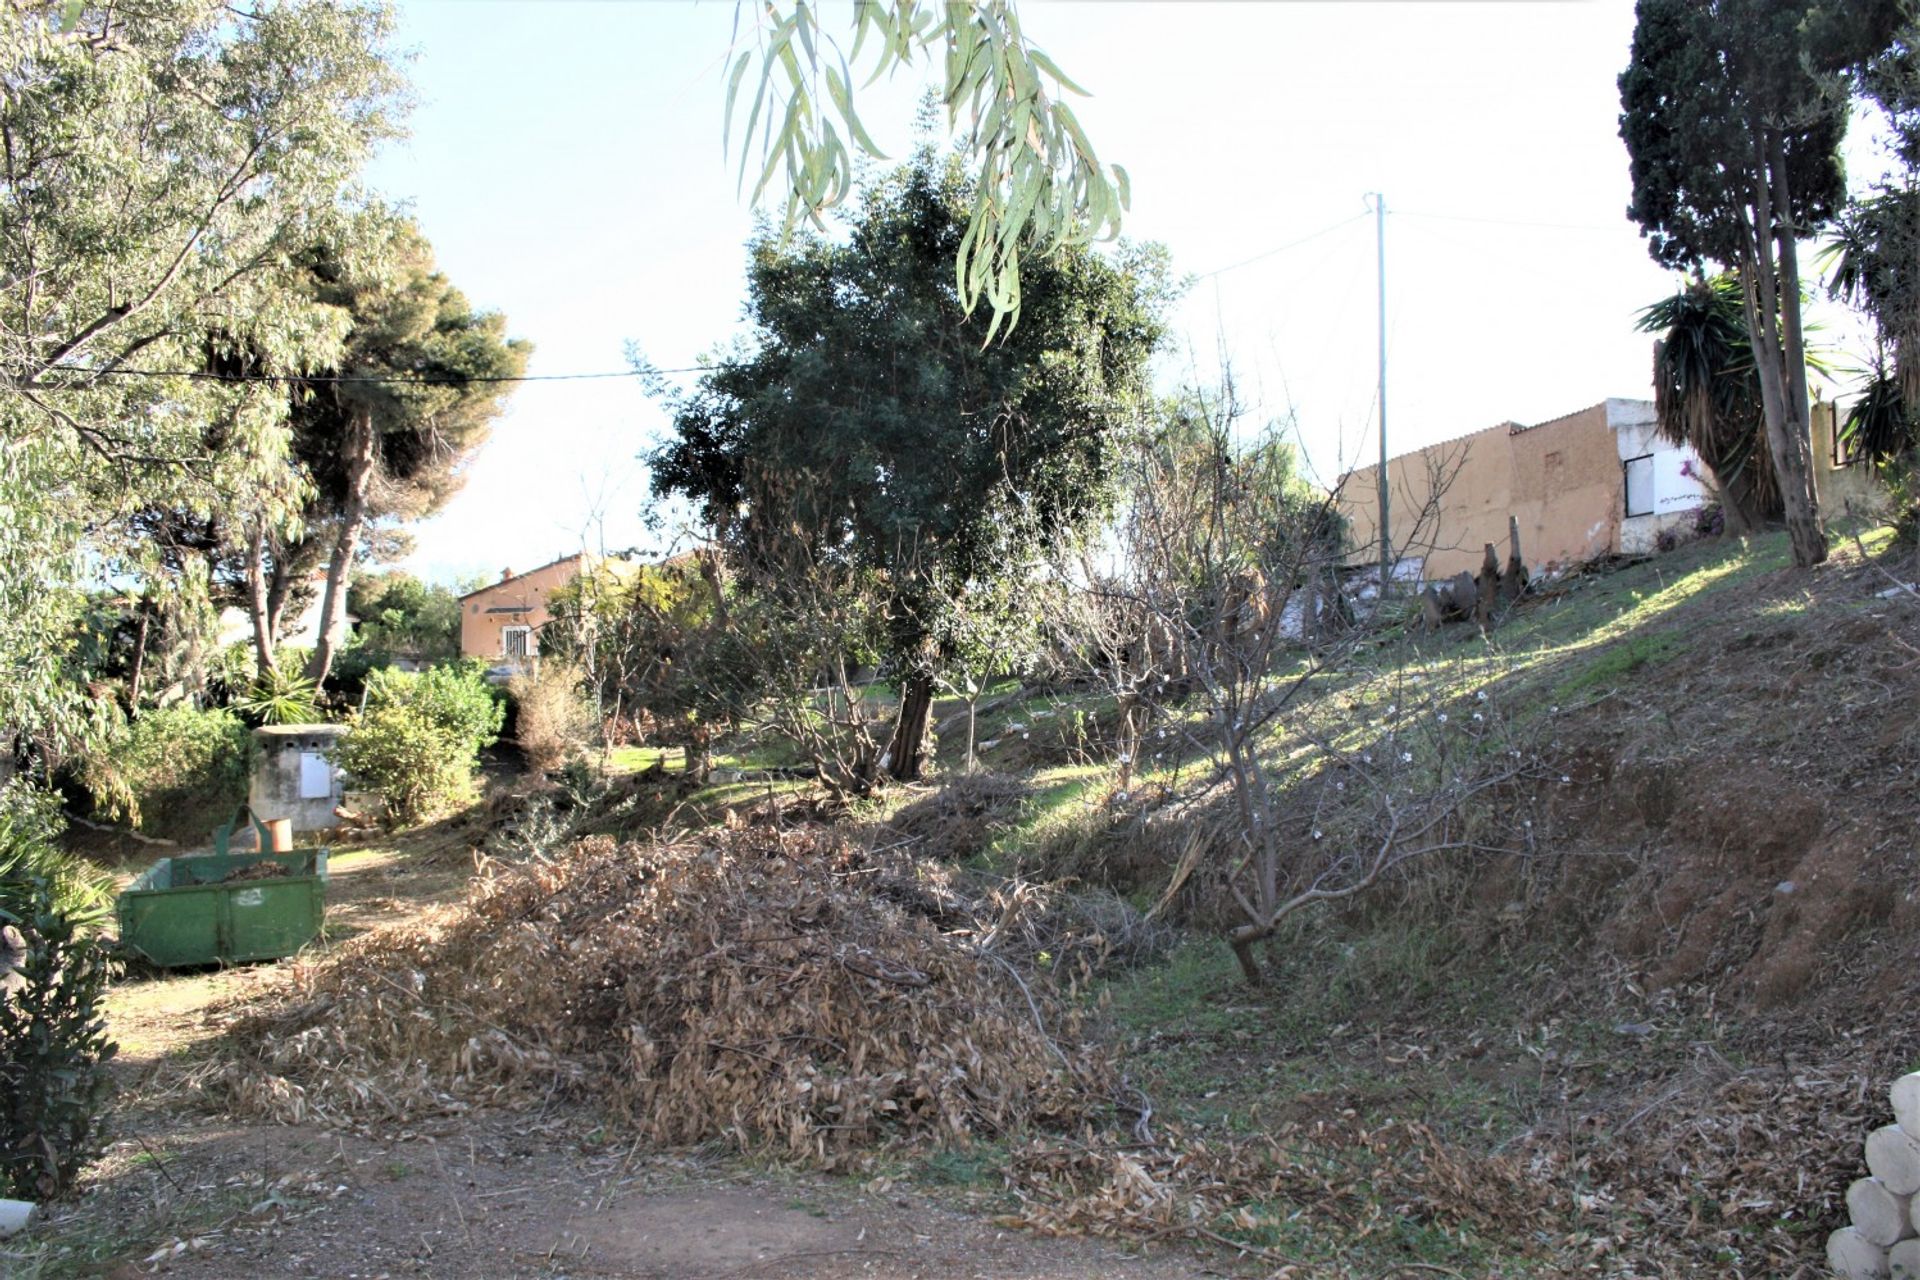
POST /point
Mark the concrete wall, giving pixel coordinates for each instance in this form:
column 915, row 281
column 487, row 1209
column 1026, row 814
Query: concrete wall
column 1841, row 488
column 294, row 775
column 1561, row 479
column 515, row 601
column 1676, row 497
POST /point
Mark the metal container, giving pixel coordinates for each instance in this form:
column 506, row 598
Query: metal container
column 212, row 908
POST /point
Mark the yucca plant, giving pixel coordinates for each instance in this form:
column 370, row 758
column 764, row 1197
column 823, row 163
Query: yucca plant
column 1706, row 393
column 280, row 697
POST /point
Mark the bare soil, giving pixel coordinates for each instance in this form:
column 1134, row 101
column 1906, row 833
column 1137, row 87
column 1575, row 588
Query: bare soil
column 525, row 1198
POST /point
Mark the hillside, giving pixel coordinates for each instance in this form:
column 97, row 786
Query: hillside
column 1646, row 1040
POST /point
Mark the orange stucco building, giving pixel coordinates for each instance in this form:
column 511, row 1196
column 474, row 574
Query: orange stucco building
column 1590, row 483
column 503, row 620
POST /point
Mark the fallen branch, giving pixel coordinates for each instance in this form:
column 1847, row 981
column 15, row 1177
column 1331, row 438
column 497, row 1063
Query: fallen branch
column 120, row 831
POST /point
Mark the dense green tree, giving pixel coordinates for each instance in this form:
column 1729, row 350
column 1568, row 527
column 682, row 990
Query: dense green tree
column 162, row 165
column 385, row 431
column 869, row 423
column 401, row 616
column 1733, row 112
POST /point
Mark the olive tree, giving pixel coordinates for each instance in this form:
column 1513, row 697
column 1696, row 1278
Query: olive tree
column 870, row 428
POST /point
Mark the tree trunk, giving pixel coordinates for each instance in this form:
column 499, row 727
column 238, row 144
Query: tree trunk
column 134, row 677
column 279, row 587
column 333, row 602
column 1764, row 316
column 1804, row 525
column 907, row 752
column 258, row 605
column 1242, row 941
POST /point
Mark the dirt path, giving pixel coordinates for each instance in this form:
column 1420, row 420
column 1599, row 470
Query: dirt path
column 497, row 1198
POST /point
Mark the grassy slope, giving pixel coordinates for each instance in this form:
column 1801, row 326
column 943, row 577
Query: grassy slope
column 1726, row 724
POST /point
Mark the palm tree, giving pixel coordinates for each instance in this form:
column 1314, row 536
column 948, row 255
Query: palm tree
column 1706, row 394
column 1875, row 268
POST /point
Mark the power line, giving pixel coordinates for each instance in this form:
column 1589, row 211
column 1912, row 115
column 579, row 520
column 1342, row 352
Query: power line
column 206, row 375
column 1291, row 244
column 1511, row 222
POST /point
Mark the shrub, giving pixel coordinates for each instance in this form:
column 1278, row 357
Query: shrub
column 553, row 720
column 53, row 974
column 176, row 771
column 419, row 740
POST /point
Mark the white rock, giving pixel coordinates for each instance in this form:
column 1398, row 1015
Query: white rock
column 1879, row 1214
column 1853, row 1257
column 15, row 1215
column 1893, row 1156
column 1905, row 1095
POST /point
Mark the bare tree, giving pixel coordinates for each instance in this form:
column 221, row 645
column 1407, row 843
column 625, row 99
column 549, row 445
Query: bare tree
column 1212, row 614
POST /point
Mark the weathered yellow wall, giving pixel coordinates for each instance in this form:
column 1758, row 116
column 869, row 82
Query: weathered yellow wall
column 528, row 592
column 1841, row 488
column 1561, row 479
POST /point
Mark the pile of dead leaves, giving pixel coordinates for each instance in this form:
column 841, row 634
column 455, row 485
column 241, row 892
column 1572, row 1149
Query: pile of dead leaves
column 1339, row 1181
column 1743, row 1175
column 745, row 986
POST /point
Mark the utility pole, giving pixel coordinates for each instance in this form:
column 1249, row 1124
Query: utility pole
column 1380, row 247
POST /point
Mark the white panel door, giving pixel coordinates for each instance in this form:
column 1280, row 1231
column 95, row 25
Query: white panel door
column 316, row 776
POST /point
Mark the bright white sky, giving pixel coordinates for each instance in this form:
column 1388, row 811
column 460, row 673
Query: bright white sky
column 566, row 162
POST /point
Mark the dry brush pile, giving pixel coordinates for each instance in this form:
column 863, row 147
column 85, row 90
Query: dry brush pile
column 747, row 987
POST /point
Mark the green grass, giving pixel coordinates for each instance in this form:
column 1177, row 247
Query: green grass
column 1620, row 660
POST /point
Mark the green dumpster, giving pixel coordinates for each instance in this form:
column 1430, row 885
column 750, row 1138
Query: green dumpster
column 224, row 908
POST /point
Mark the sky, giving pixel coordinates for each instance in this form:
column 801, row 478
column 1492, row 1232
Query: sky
column 566, row 161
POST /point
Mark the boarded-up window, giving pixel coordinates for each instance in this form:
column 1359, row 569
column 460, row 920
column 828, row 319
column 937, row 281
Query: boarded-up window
column 1639, row 485
column 316, row 776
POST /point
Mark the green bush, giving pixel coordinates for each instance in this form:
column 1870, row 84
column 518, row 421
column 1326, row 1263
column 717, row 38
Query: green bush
column 418, row 741
column 53, row 975
column 176, row 771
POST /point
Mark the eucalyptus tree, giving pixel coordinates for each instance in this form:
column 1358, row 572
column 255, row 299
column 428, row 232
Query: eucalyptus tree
column 1038, row 184
column 870, row 426
column 162, row 164
column 1733, row 112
